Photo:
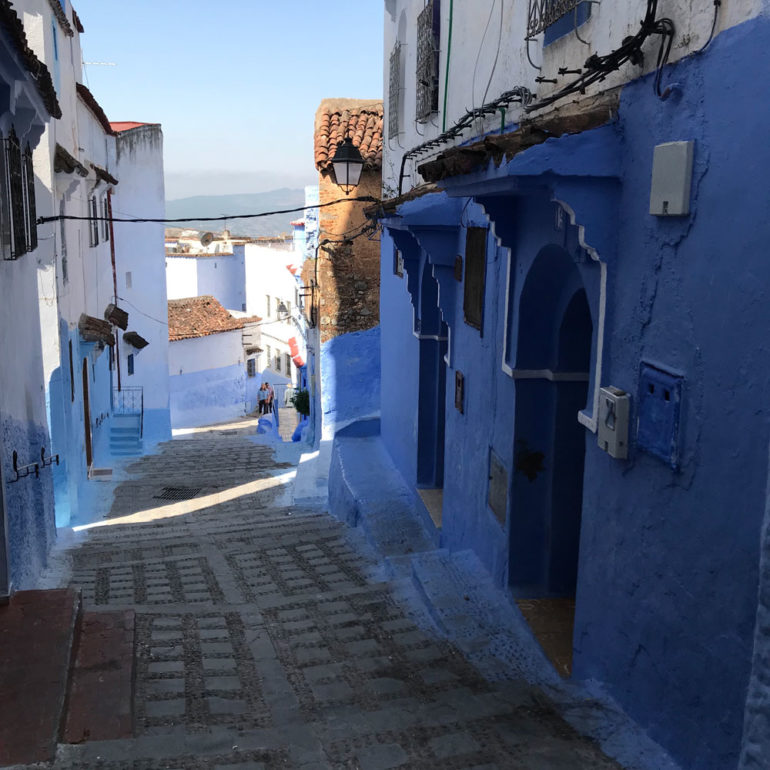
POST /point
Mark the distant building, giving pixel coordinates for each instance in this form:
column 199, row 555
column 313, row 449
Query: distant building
column 212, row 363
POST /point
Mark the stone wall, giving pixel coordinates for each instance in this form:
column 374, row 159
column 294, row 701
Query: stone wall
column 348, row 272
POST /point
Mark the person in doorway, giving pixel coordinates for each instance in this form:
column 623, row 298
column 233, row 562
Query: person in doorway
column 261, row 396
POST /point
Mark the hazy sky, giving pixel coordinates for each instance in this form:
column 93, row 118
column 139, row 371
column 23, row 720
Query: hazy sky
column 235, row 84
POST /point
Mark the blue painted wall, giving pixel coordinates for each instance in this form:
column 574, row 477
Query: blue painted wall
column 29, row 509
column 668, row 571
column 210, row 396
column 350, row 377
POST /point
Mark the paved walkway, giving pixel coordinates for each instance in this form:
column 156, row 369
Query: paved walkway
column 266, row 638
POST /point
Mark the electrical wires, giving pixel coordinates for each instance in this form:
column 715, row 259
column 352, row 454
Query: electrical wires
column 717, row 4
column 595, row 70
column 224, row 218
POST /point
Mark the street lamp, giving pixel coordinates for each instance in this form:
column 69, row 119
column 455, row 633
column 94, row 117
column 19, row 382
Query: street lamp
column 347, row 163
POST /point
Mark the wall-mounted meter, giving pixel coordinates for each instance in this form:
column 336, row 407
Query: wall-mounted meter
column 614, row 410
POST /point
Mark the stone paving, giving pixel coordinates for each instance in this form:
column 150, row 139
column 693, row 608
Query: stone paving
column 267, row 638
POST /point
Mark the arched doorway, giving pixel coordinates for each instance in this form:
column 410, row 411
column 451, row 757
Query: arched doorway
column 553, row 358
column 432, row 333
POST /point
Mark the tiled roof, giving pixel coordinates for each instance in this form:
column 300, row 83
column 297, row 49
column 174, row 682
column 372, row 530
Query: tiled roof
column 200, row 317
column 61, row 17
column 95, row 107
column 103, row 174
column 126, row 125
column 76, row 21
column 359, row 119
column 41, row 76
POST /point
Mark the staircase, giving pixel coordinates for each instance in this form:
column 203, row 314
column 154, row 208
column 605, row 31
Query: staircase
column 126, row 435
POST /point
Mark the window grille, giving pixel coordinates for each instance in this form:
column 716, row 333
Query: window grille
column 6, row 240
column 428, row 40
column 251, row 367
column 394, row 90
column 130, row 363
column 94, row 221
column 543, row 13
column 288, row 363
column 277, row 366
column 475, row 276
column 18, row 196
column 31, row 211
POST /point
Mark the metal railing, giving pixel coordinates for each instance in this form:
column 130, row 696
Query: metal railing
column 543, row 13
column 129, row 401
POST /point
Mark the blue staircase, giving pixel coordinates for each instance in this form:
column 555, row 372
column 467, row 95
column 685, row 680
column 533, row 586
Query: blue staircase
column 126, row 435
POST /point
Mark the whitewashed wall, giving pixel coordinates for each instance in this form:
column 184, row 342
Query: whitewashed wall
column 140, row 252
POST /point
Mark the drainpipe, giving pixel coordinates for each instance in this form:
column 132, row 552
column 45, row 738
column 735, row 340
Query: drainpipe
column 114, row 280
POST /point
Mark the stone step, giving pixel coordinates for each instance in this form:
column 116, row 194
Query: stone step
column 100, row 698
column 37, row 633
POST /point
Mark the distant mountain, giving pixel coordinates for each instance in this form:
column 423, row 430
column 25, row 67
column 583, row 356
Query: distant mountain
column 230, row 205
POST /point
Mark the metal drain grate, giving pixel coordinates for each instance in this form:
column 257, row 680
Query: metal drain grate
column 178, row 493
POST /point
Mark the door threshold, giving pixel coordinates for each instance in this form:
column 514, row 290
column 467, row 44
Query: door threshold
column 433, row 500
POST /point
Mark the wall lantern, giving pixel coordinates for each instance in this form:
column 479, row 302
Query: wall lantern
column 347, row 163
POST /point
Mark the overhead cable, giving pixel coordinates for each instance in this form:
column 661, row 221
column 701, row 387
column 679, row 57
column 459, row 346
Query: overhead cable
column 224, row 218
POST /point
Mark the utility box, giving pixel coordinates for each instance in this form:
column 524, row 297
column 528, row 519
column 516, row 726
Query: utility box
column 660, row 399
column 614, row 411
column 671, row 179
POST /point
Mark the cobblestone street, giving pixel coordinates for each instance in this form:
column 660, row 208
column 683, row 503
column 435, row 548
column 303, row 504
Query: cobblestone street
column 264, row 637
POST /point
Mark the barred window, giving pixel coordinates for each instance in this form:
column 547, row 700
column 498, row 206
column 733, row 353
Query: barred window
column 63, row 236
column 288, row 363
column 277, row 366
column 544, row 13
column 428, row 41
column 394, row 90
column 251, row 367
column 18, row 196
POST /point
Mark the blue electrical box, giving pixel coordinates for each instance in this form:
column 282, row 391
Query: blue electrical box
column 660, row 401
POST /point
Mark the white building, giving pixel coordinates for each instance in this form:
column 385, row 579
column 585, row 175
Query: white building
column 212, row 362
column 140, row 272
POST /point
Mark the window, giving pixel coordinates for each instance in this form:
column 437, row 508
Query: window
column 398, row 263
column 277, row 362
column 428, row 31
column 93, row 222
column 72, row 375
column 556, row 17
column 394, row 90
column 269, row 357
column 105, row 220
column 288, row 311
column 267, row 307
column 129, row 280
column 17, row 219
column 130, row 363
column 475, row 273
column 288, row 364
column 251, row 367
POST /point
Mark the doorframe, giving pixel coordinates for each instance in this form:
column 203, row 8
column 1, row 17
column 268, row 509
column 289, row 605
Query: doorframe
column 5, row 578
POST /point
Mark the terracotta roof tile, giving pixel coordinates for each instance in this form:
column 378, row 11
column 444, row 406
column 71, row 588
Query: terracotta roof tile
column 118, row 126
column 357, row 118
column 200, row 317
column 41, row 75
column 95, row 107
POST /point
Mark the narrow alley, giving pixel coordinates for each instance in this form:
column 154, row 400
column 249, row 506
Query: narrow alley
column 265, row 636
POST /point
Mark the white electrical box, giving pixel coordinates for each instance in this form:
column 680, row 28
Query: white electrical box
column 671, row 179
column 614, row 411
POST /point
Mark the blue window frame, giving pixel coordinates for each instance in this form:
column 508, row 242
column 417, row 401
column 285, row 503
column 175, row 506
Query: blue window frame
column 130, row 363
